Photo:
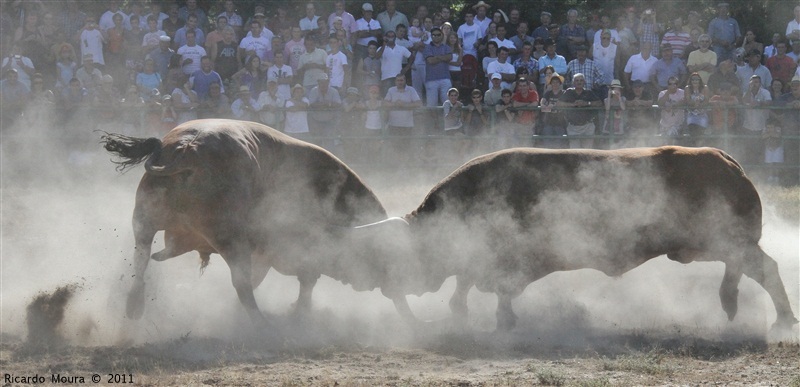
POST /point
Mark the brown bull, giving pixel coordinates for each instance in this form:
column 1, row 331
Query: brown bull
column 504, row 220
column 255, row 196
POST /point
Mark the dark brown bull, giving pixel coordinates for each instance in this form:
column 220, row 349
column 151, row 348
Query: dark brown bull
column 504, row 220
column 255, row 196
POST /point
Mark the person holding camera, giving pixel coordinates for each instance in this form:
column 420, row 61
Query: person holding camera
column 649, row 30
column 22, row 64
column 725, row 33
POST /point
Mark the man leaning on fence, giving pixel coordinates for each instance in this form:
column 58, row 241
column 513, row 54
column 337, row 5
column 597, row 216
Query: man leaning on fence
column 580, row 120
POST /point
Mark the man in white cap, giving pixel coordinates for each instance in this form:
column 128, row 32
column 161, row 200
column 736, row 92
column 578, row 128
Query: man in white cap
column 367, row 30
column 492, row 96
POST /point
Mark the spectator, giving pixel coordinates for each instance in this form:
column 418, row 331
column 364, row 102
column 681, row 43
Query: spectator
column 488, row 36
column 22, row 64
column 225, row 55
column 281, row 74
column 391, row 59
column 457, row 59
column 638, row 103
column 505, row 119
column 312, row 63
column 323, row 122
column 245, row 107
column 469, row 34
column 501, row 40
column 477, row 117
column 190, row 54
column 627, row 39
column 71, row 20
column 697, row 97
column 391, row 17
column 153, row 36
column 294, row 48
column 772, row 49
column 538, row 49
column 542, row 30
column 14, row 96
column 724, row 32
column 525, row 97
column 367, row 30
column 592, row 75
column 605, row 22
column 581, row 120
column 216, row 35
column 191, row 25
column 615, row 100
column 271, row 102
column 373, row 120
column 749, row 43
column 571, row 35
column 191, row 9
column 416, row 32
column 724, row 75
column 491, row 56
column 606, row 57
column 92, row 42
column 296, row 113
column 558, row 62
column 649, row 30
column 666, row 67
column 107, row 18
column 773, row 151
column 754, row 120
column 255, row 44
column 348, row 22
column 401, row 100
column 671, row 101
column 494, row 95
column 527, row 62
column 169, row 116
column 106, row 102
column 251, row 75
column 65, row 66
column 185, row 101
column 520, row 39
column 234, row 19
column 280, row 22
column 133, row 43
column 693, row 22
column 162, row 56
column 131, row 111
column 114, row 52
column 677, row 37
column 640, row 66
column 202, row 79
column 723, row 116
column 503, row 67
column 554, row 122
column 793, row 27
column 795, row 54
column 172, row 23
column 148, row 80
column 780, row 66
column 155, row 10
column 594, row 27
column 753, row 67
column 73, row 96
column 88, row 75
column 480, row 15
column 791, row 129
column 369, row 70
column 452, row 112
column 703, row 61
column 437, row 74
column 309, row 22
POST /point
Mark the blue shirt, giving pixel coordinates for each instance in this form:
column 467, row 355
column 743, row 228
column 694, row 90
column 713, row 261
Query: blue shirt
column 664, row 70
column 724, row 29
column 558, row 63
column 201, row 82
column 441, row 70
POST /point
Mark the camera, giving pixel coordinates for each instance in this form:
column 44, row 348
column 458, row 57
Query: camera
column 17, row 56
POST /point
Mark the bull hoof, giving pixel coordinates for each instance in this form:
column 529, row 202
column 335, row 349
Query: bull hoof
column 134, row 308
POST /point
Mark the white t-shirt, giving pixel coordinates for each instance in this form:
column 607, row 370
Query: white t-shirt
column 92, row 43
column 261, row 45
column 501, row 68
column 21, row 74
column 153, row 38
column 296, row 122
column 363, row 25
column 194, row 53
column 604, row 59
column 307, row 24
column 505, row 43
column 401, row 118
column 639, row 68
column 335, row 63
column 469, row 35
column 274, row 74
column 392, row 61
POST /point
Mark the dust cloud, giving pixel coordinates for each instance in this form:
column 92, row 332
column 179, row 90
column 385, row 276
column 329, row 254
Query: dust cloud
column 66, row 219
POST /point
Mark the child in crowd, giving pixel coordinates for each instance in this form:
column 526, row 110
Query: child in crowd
column 616, row 101
column 296, row 115
column 476, row 119
column 415, row 32
column 452, row 112
column 773, row 151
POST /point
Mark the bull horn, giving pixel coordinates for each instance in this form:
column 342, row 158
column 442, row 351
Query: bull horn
column 401, row 304
column 389, row 221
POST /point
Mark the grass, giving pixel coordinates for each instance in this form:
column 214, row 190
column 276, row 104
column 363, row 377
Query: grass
column 598, row 382
column 649, row 363
column 551, row 378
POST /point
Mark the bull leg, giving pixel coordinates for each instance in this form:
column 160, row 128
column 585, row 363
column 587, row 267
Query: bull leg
column 764, row 270
column 134, row 307
column 458, row 302
column 729, row 290
column 238, row 260
column 307, row 282
column 506, row 319
column 401, row 304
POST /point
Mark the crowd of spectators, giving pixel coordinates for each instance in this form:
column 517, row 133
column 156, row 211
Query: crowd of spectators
column 493, row 72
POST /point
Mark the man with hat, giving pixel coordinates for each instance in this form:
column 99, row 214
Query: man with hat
column 245, row 107
column 367, row 30
column 480, row 16
column 724, row 32
column 791, row 127
column 591, row 72
column 666, row 67
column 752, row 67
column 542, row 31
column 494, row 94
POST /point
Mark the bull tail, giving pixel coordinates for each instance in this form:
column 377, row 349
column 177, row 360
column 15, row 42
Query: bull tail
column 130, row 150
